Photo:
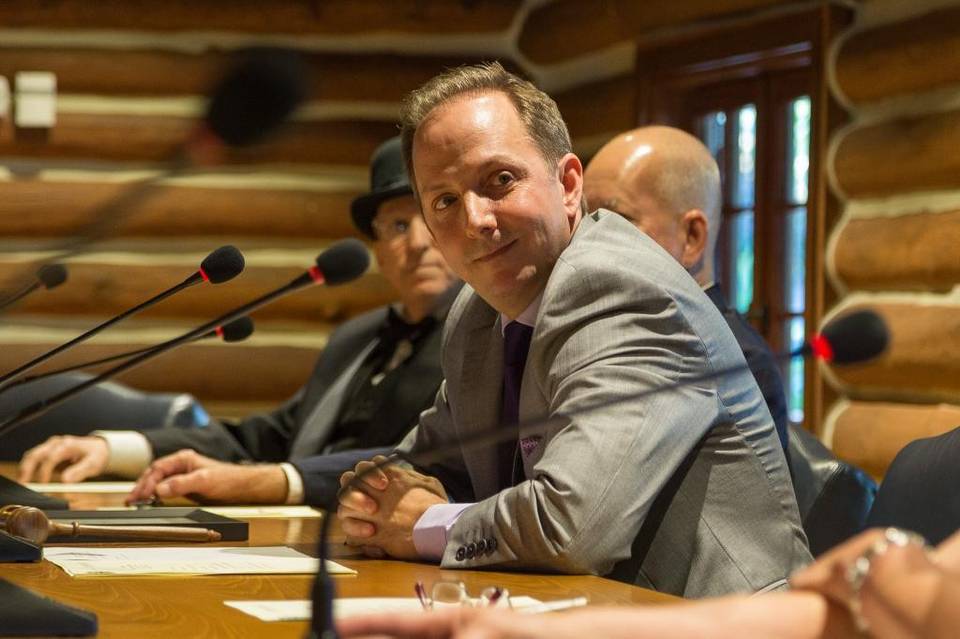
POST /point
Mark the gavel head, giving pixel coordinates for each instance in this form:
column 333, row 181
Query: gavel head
column 25, row 521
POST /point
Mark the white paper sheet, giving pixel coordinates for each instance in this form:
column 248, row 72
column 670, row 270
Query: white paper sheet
column 299, row 609
column 249, row 512
column 84, row 487
column 79, row 561
column 265, row 512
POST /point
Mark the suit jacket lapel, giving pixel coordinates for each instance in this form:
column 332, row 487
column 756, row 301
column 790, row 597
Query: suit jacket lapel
column 482, row 371
column 317, row 425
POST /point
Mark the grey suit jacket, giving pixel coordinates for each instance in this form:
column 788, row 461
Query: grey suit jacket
column 686, row 491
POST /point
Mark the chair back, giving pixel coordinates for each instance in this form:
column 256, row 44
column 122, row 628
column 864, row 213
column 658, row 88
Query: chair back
column 834, row 497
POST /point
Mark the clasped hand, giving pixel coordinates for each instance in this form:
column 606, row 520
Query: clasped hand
column 378, row 513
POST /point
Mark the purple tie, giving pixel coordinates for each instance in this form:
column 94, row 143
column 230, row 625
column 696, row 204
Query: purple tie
column 516, row 343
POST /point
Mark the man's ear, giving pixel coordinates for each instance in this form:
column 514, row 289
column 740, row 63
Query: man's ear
column 571, row 179
column 695, row 234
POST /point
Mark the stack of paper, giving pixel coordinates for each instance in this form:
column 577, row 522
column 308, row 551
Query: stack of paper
column 244, row 512
column 263, row 560
column 84, row 487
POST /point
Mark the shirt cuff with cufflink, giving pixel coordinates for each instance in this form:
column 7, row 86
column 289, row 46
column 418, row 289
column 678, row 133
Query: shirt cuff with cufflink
column 431, row 531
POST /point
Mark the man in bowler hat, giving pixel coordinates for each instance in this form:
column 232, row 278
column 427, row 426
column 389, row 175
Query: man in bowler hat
column 377, row 373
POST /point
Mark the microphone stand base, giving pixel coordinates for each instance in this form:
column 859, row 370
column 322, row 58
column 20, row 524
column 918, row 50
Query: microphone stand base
column 14, row 549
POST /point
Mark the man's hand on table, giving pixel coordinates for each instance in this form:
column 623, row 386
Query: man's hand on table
column 379, row 514
column 85, row 457
column 187, row 473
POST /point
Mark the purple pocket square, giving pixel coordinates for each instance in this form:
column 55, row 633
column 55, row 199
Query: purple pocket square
column 529, row 444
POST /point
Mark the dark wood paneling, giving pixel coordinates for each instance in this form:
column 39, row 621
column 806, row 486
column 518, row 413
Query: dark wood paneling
column 609, row 106
column 329, row 17
column 565, row 29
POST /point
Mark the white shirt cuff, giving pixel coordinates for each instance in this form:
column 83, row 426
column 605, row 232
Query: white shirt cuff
column 130, row 452
column 432, row 529
column 294, row 484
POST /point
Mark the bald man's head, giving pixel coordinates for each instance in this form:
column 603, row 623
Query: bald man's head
column 666, row 182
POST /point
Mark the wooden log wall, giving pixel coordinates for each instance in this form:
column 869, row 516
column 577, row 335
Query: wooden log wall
column 131, row 77
column 895, row 248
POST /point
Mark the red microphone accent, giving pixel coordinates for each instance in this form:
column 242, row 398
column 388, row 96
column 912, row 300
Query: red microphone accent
column 821, row 348
column 203, row 274
column 316, row 274
column 219, row 331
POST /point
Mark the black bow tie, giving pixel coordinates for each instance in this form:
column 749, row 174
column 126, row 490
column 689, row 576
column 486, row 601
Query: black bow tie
column 396, row 328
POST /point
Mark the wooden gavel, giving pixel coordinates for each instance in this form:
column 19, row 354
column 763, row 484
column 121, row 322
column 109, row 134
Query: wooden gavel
column 34, row 526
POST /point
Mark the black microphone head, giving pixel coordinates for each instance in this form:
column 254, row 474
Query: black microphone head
column 237, row 330
column 856, row 337
column 52, row 275
column 256, row 95
column 222, row 265
column 344, row 261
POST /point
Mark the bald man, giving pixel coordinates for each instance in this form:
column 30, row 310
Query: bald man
column 666, row 182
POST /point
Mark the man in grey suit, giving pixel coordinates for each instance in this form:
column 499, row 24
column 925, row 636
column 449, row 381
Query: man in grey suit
column 571, row 317
column 376, row 374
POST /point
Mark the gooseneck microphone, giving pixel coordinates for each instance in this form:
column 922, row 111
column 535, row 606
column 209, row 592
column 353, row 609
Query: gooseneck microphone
column 48, row 276
column 849, row 339
column 236, row 331
column 344, row 261
column 220, row 266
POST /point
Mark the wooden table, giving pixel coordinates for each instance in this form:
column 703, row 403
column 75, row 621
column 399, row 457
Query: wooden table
column 186, row 607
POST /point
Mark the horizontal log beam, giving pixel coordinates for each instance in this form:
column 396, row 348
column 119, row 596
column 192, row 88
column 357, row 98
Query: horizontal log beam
column 218, row 372
column 870, row 434
column 900, row 156
column 133, row 72
column 917, row 252
column 565, row 29
column 901, row 58
column 922, row 361
column 330, row 17
column 146, row 138
column 103, row 289
column 36, row 208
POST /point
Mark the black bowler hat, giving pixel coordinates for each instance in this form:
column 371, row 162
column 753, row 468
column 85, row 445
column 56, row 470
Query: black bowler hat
column 388, row 178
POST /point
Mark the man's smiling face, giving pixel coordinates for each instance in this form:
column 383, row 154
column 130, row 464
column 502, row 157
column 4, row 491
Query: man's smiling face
column 500, row 215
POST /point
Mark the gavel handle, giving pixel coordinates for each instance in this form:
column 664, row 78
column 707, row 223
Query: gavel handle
column 145, row 533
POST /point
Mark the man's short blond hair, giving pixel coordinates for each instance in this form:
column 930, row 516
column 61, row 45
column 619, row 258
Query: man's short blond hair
column 538, row 112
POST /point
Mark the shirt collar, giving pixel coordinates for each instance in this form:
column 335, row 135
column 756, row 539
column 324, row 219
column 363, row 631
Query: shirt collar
column 528, row 317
